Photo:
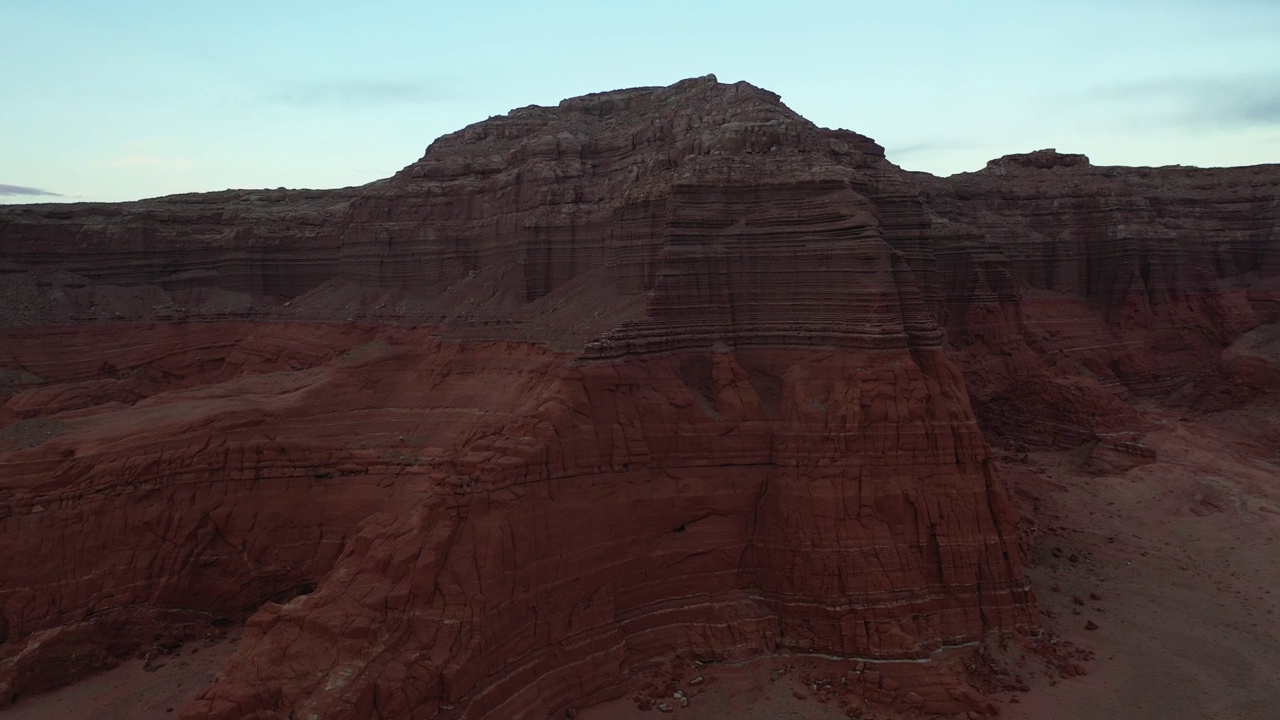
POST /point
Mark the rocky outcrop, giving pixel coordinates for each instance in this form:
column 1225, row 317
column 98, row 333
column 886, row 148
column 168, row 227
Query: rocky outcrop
column 501, row 512
column 264, row 242
column 657, row 373
column 1105, row 283
column 632, row 518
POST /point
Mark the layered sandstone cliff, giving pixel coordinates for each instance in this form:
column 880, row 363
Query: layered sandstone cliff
column 1127, row 282
column 662, row 372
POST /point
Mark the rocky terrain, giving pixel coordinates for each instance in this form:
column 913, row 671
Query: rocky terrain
column 654, row 385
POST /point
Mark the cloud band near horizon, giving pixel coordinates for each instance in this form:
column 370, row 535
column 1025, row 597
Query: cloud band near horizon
column 8, row 190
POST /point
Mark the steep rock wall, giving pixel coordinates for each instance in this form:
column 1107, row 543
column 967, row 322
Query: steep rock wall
column 1095, row 283
column 654, row 509
column 657, row 372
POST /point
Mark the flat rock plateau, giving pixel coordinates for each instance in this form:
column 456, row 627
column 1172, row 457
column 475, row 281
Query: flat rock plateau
column 658, row 401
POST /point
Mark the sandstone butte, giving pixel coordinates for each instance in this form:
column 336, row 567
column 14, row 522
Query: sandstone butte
column 653, row 374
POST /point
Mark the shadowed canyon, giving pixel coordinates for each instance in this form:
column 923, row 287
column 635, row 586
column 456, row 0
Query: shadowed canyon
column 653, row 386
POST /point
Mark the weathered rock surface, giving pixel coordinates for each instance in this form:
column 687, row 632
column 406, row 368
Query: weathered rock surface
column 1087, row 285
column 656, row 373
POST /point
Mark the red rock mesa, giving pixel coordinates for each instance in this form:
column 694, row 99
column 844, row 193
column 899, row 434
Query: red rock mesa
column 655, row 373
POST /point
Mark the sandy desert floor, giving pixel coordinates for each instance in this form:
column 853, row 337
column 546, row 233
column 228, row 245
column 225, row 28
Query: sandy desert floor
column 1184, row 555
column 132, row 691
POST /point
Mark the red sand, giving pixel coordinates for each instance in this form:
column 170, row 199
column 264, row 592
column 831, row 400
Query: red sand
column 1185, row 558
column 130, row 692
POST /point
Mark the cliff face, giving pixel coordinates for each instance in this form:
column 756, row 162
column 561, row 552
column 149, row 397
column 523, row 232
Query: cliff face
column 664, row 372
column 1090, row 285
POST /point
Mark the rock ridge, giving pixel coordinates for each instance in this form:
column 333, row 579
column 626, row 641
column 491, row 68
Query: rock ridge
column 650, row 374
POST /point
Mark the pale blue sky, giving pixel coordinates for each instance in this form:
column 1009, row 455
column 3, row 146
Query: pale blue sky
column 124, row 99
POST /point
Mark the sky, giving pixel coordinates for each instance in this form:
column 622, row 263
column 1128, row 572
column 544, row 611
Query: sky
column 121, row 100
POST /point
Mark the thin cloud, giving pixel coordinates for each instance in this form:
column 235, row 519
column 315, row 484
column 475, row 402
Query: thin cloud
column 359, row 94
column 931, row 147
column 146, row 160
column 26, row 191
column 1225, row 104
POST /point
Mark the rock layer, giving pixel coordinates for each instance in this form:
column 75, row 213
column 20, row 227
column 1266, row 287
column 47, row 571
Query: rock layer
column 656, row 373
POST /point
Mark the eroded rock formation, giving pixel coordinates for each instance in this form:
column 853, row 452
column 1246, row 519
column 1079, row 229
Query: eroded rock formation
column 656, row 373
